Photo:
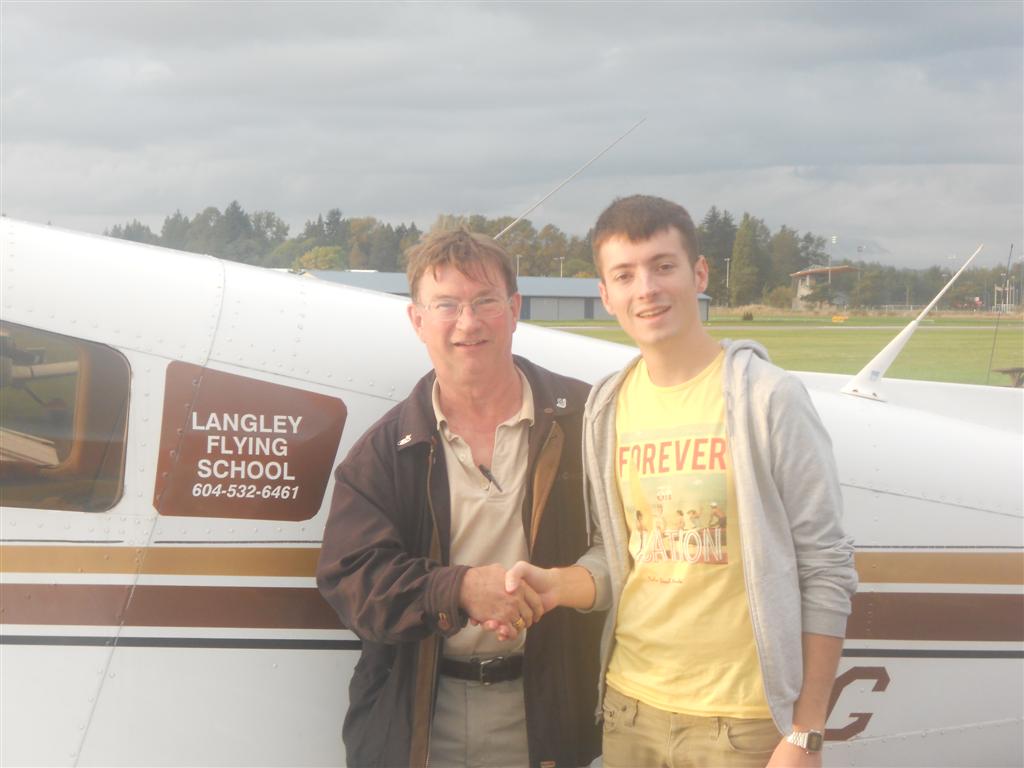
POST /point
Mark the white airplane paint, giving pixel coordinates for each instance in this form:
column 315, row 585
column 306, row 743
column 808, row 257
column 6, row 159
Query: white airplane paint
column 204, row 404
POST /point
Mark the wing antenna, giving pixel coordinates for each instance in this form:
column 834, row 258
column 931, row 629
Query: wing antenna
column 581, row 169
column 865, row 383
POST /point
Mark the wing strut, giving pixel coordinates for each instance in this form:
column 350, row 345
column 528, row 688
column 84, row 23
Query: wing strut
column 866, row 383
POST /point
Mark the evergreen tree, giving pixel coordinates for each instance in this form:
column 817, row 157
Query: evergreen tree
column 483, row 225
column 269, row 229
column 336, row 229
column 717, row 233
column 361, row 232
column 785, row 257
column 812, row 251
column 552, row 249
column 385, row 248
column 199, row 238
column 581, row 257
column 174, row 232
column 521, row 242
column 135, row 231
column 750, row 260
column 868, row 291
column 407, row 238
column 315, row 230
column 233, row 225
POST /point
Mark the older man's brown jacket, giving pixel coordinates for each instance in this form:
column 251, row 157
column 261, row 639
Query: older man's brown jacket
column 383, row 568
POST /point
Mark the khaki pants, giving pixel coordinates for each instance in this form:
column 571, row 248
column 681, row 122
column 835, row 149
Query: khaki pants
column 479, row 726
column 639, row 736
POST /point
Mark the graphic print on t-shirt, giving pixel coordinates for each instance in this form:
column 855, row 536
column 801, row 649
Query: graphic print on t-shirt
column 677, row 485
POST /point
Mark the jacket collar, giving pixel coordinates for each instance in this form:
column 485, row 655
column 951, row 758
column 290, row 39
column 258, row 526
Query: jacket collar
column 553, row 398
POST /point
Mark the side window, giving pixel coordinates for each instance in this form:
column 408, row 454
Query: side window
column 63, row 421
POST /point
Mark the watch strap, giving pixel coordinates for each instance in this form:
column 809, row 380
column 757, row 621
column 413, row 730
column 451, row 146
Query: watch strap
column 811, row 741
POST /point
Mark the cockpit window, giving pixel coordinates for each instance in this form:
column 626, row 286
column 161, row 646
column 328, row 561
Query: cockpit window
column 63, row 421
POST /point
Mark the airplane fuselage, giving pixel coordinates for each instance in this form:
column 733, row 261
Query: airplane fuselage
column 167, row 478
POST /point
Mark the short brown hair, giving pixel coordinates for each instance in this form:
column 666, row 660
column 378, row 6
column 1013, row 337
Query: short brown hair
column 639, row 218
column 466, row 251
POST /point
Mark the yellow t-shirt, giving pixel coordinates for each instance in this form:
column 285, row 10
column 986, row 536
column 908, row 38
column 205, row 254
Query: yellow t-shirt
column 683, row 637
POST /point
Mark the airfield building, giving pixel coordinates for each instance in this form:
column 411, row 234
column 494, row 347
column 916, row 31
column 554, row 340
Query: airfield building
column 544, row 298
column 806, row 280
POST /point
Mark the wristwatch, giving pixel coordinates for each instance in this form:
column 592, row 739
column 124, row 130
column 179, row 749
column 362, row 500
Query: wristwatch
column 811, row 741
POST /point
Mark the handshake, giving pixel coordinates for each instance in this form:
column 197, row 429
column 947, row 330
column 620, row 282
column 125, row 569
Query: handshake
column 507, row 602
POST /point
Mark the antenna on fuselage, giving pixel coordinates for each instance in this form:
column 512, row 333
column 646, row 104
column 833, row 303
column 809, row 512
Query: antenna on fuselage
column 581, row 169
column 865, row 383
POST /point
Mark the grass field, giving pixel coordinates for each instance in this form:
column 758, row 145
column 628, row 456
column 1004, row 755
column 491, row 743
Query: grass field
column 947, row 349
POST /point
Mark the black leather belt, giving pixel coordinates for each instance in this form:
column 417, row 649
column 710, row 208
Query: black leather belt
column 486, row 671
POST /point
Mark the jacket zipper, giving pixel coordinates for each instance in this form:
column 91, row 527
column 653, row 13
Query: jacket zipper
column 433, row 678
column 533, row 493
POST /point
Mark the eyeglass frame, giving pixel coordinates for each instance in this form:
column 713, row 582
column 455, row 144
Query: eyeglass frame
column 430, row 307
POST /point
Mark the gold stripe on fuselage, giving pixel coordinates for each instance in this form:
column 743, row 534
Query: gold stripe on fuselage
column 940, row 567
column 207, row 561
column 256, row 560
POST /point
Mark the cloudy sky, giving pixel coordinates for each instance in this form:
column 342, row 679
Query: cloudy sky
column 899, row 127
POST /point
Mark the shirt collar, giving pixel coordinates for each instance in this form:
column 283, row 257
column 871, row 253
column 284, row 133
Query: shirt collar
column 525, row 412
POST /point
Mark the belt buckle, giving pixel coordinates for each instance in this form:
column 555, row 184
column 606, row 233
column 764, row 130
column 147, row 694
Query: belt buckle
column 485, row 665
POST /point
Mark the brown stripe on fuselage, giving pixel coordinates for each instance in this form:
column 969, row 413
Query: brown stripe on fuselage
column 876, row 615
column 210, row 561
column 165, row 606
column 936, row 616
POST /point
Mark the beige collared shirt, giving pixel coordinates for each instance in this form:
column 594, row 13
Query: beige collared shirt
column 486, row 513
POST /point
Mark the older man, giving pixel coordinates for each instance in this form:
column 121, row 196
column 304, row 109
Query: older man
column 478, row 468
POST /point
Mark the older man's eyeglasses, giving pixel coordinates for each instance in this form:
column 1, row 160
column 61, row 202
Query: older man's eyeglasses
column 483, row 307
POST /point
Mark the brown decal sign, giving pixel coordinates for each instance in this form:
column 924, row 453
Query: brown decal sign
column 231, row 446
column 860, row 719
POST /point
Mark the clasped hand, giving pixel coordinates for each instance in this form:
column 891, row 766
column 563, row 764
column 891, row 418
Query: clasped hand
column 506, row 602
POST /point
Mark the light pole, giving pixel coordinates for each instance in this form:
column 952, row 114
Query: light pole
column 561, row 263
column 518, row 257
column 727, row 260
column 834, row 238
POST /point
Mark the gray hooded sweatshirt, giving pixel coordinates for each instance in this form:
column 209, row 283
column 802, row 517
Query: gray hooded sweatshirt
column 797, row 562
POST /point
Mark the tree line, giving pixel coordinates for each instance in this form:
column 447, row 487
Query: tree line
column 749, row 264
column 760, row 264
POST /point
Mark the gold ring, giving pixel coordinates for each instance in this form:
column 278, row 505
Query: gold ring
column 519, row 624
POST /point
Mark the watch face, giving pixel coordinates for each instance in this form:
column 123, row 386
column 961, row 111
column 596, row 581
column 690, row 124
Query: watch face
column 814, row 741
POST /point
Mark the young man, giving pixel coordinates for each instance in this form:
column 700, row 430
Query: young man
column 716, row 651
column 478, row 468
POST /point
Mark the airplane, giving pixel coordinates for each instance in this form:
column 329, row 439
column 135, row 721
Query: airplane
column 170, row 423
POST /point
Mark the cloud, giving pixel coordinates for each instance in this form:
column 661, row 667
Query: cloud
column 815, row 115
